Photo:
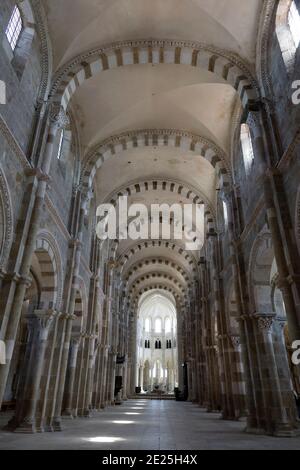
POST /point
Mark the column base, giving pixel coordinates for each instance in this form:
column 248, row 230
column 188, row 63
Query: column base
column 254, row 430
column 211, row 410
column 57, row 424
column 227, row 417
column 68, row 414
column 26, row 427
column 87, row 414
column 22, row 427
column 286, row 430
column 47, row 426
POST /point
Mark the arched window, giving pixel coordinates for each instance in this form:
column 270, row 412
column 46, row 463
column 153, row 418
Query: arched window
column 225, row 214
column 294, row 23
column 14, row 28
column 168, row 325
column 247, row 147
column 158, row 325
column 147, row 325
column 288, row 31
column 60, row 145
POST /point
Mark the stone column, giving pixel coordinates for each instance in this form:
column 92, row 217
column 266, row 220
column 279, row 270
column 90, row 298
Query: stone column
column 287, row 277
column 25, row 418
column 48, row 379
column 124, row 391
column 17, row 284
column 248, row 352
column 79, row 372
column 104, row 377
column 284, row 371
column 99, row 385
column 142, row 378
column 237, row 376
column 70, row 309
column 276, row 420
column 68, row 411
column 64, row 354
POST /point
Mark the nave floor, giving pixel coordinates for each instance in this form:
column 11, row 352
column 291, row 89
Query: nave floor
column 148, row 425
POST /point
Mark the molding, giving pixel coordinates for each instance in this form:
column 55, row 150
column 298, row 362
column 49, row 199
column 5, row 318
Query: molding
column 228, row 66
column 6, row 206
column 85, row 266
column 53, row 250
column 263, row 237
column 46, row 47
column 56, row 218
column 289, row 153
column 263, row 45
column 13, row 144
column 255, row 214
column 161, row 262
column 183, row 189
column 170, row 245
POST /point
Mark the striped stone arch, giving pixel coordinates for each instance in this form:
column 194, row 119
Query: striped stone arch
column 156, row 261
column 155, row 184
column 81, row 308
column 224, row 64
column 154, row 138
column 162, row 184
column 140, row 247
column 181, row 303
column 134, row 298
column 156, row 277
column 6, row 221
column 49, row 259
column 263, row 241
column 209, row 221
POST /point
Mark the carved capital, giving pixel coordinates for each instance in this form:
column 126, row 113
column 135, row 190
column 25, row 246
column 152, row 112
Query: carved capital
column 58, row 117
column 265, row 322
column 41, row 320
column 236, row 341
column 75, row 341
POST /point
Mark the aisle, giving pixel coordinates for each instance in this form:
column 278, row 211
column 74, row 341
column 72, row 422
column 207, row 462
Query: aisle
column 148, row 425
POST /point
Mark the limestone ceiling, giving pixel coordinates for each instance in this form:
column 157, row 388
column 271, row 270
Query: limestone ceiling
column 157, row 304
column 161, row 96
column 150, row 164
column 166, row 298
column 157, row 95
column 158, row 252
column 79, row 25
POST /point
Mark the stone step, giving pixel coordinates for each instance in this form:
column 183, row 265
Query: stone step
column 152, row 396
